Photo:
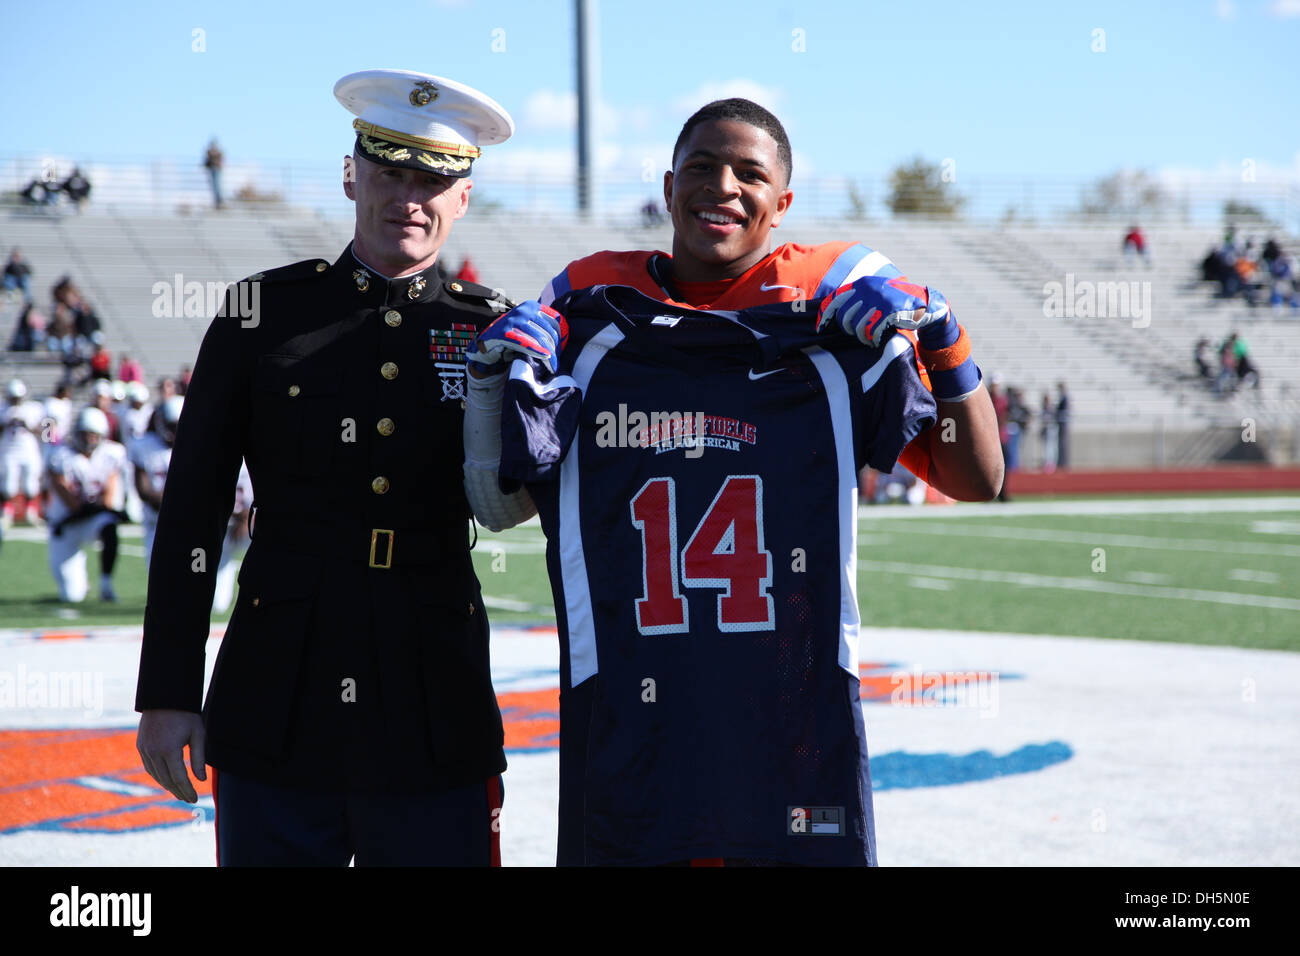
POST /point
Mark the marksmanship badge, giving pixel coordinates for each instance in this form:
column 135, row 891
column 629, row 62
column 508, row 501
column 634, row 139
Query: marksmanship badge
column 447, row 349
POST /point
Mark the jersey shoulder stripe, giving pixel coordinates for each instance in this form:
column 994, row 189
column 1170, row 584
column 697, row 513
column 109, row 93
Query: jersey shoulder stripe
column 852, row 264
column 605, row 268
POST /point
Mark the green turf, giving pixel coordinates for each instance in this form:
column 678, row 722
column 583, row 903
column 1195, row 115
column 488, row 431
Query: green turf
column 915, row 572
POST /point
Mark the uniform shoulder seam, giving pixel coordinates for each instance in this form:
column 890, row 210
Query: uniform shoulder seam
column 307, row 268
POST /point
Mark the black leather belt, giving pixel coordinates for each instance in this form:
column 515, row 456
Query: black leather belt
column 381, row 548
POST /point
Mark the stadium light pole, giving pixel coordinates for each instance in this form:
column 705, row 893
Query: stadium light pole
column 588, row 82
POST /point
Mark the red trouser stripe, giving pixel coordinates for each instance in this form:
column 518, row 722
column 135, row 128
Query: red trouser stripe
column 494, row 818
column 216, row 818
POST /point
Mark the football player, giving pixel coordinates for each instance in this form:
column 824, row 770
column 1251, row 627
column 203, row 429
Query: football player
column 20, row 451
column 728, row 189
column 150, row 455
column 84, row 482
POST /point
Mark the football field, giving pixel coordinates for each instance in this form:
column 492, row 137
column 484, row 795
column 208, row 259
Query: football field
column 1070, row 682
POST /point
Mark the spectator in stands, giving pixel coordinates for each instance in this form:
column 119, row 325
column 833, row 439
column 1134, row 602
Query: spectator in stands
column 62, row 334
column 77, row 187
column 213, row 161
column 1062, row 426
column 651, row 214
column 1283, row 275
column 166, row 389
column 1018, row 416
column 101, row 364
column 183, row 380
column 1247, row 374
column 1135, row 246
column 1271, row 251
column 18, row 274
column 1047, row 432
column 1229, row 280
column 40, row 192
column 85, row 321
column 1227, row 377
column 1001, row 408
column 29, row 331
column 1204, row 359
column 467, row 272
column 129, row 370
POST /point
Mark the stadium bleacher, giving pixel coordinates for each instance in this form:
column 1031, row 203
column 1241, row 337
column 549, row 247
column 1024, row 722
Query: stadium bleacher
column 1130, row 377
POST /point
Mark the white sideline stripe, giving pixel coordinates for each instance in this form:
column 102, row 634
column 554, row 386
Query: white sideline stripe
column 118, row 786
column 1275, row 527
column 1249, row 574
column 1115, row 540
column 930, row 584
column 1117, row 506
column 1022, row 579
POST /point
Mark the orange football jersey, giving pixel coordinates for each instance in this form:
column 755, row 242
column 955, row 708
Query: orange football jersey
column 789, row 273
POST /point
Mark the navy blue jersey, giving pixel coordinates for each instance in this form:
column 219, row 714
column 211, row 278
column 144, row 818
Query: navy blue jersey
column 696, row 477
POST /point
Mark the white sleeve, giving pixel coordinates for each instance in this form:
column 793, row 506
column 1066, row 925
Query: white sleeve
column 494, row 510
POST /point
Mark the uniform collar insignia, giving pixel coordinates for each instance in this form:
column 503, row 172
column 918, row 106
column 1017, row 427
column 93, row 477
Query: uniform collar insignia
column 362, row 278
column 416, row 288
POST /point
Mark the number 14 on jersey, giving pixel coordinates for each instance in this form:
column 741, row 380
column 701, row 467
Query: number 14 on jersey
column 724, row 552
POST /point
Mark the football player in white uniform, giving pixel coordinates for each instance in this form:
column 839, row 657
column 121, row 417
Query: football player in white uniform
column 84, row 478
column 20, row 450
column 235, row 543
column 151, row 455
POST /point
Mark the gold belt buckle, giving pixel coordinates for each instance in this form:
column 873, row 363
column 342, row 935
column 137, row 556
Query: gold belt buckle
column 388, row 551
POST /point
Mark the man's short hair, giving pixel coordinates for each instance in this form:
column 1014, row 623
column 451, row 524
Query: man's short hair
column 746, row 111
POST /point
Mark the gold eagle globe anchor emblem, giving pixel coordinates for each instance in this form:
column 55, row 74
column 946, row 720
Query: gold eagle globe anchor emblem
column 424, row 93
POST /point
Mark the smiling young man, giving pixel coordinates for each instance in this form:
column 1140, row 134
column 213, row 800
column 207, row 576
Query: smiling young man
column 728, row 189
column 656, row 778
column 351, row 713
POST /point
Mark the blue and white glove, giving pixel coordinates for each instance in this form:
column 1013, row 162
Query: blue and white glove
column 871, row 306
column 530, row 329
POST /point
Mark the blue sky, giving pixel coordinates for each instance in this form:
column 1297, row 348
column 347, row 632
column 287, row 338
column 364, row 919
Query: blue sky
column 1003, row 89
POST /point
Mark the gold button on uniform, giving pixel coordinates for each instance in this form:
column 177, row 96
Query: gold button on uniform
column 385, row 426
column 380, row 485
column 456, row 287
column 321, row 267
column 293, row 391
column 393, row 318
column 388, row 370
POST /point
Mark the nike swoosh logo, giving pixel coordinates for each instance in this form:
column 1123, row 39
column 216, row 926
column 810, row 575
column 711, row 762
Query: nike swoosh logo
column 755, row 378
column 768, row 288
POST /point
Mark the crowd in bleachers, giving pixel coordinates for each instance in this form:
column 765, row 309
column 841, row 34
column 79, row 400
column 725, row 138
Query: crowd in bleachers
column 48, row 190
column 1253, row 272
column 1225, row 367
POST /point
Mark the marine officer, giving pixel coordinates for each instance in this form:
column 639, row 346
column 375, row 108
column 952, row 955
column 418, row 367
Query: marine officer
column 351, row 713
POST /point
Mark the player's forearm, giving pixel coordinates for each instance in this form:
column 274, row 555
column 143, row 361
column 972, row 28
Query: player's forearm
column 144, row 488
column 965, row 454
